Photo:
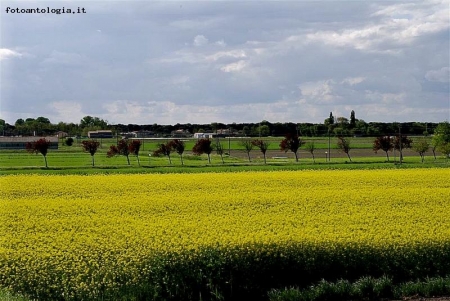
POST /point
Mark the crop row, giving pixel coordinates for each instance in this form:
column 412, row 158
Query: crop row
column 163, row 236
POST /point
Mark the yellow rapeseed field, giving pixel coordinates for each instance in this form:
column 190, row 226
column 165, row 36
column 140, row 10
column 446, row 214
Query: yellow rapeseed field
column 69, row 235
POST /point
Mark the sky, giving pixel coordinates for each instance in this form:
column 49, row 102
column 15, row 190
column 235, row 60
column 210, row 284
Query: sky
column 168, row 62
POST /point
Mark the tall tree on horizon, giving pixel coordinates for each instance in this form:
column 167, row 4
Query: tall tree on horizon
column 352, row 120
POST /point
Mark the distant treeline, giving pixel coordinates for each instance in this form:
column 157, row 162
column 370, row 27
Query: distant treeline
column 42, row 126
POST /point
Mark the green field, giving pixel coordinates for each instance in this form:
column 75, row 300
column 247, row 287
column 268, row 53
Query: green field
column 72, row 159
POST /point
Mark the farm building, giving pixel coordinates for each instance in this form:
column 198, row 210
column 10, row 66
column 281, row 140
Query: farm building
column 204, row 135
column 100, row 134
column 181, row 134
column 21, row 142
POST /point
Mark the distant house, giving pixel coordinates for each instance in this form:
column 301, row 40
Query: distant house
column 144, row 134
column 100, row 134
column 204, row 135
column 61, row 134
column 181, row 134
column 21, row 142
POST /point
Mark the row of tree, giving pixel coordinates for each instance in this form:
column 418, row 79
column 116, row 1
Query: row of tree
column 334, row 126
column 291, row 142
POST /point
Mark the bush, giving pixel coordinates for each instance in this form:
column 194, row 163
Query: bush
column 69, row 141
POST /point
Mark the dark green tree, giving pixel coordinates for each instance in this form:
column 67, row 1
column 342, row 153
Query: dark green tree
column 69, row 141
column 352, row 120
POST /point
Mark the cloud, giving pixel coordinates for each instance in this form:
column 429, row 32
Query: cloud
column 441, row 75
column 200, row 40
column 353, row 80
column 8, row 53
column 281, row 61
column 234, row 67
column 66, row 111
column 391, row 32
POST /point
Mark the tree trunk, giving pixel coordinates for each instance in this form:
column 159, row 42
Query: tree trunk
column 387, row 156
column 209, row 159
column 296, row 157
column 128, row 160
column 314, row 159
column 434, row 152
column 221, row 156
column 92, row 161
column 264, row 158
column 170, row 160
column 248, row 155
column 348, row 155
column 181, row 158
column 45, row 159
column 139, row 162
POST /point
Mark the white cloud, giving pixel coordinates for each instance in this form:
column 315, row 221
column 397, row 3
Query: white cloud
column 353, row 80
column 221, row 43
column 8, row 53
column 234, row 67
column 237, row 53
column 441, row 75
column 391, row 32
column 67, row 111
column 319, row 92
column 200, row 40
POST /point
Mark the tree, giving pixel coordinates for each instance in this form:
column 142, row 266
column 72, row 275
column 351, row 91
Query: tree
column 179, row 147
column 330, row 120
column 263, row 146
column 384, row 143
column 291, row 143
column 445, row 149
column 69, row 141
column 248, row 146
column 121, row 149
column 263, row 130
column 43, row 120
column 401, row 143
column 352, row 119
column 441, row 135
column 40, row 146
column 310, row 147
column 90, row 122
column 134, row 147
column 344, row 145
column 421, row 146
column 219, row 150
column 246, row 130
column 164, row 149
column 90, row 146
column 203, row 146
